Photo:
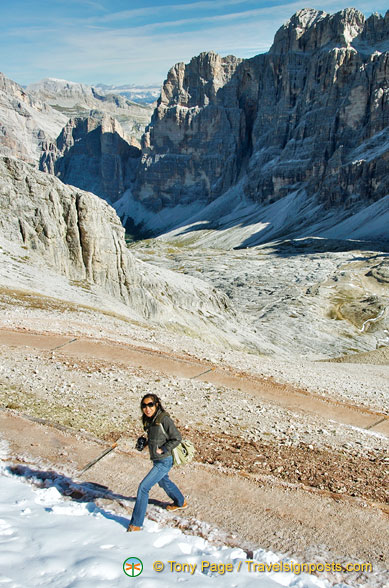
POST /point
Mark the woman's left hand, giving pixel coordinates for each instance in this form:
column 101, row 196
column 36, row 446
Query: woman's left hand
column 159, row 451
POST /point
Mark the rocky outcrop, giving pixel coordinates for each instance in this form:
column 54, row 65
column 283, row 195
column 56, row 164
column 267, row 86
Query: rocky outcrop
column 25, row 122
column 322, row 121
column 310, row 116
column 92, row 154
column 193, row 146
column 80, row 236
column 29, row 127
column 77, row 100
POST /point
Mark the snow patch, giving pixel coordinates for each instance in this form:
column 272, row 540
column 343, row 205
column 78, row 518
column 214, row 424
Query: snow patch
column 66, row 543
column 235, row 221
column 369, row 222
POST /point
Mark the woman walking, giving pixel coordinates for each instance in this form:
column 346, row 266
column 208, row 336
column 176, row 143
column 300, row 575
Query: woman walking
column 162, row 437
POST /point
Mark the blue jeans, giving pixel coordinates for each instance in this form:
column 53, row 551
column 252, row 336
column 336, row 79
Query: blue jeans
column 157, row 475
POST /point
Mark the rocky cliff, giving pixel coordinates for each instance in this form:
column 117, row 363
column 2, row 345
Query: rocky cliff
column 25, row 122
column 92, row 154
column 195, row 143
column 310, row 118
column 78, row 235
column 324, row 111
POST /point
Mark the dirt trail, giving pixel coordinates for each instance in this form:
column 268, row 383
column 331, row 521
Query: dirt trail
column 272, row 515
column 283, row 395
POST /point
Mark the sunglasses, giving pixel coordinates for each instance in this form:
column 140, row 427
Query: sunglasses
column 146, row 404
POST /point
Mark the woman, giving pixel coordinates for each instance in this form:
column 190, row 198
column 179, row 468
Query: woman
column 162, row 438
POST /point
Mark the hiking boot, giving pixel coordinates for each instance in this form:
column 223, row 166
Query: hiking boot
column 173, row 506
column 132, row 528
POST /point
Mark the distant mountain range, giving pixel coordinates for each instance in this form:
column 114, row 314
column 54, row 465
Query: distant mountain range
column 139, row 94
column 77, row 100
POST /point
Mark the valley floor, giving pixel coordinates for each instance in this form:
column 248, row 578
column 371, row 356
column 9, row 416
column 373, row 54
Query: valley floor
column 292, row 456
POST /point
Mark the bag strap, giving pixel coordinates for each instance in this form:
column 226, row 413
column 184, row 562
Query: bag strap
column 164, row 432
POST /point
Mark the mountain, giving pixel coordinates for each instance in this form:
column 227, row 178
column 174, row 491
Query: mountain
column 138, row 94
column 56, row 238
column 77, row 100
column 93, row 154
column 288, row 143
column 25, row 122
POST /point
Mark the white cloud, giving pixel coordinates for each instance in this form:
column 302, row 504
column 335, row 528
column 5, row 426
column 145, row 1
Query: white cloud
column 174, row 8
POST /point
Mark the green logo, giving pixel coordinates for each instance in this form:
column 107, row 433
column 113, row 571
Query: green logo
column 132, row 567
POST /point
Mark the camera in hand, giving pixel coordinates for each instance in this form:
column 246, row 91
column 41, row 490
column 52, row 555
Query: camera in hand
column 141, row 443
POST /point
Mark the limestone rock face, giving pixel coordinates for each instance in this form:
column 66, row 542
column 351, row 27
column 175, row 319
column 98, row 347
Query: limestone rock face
column 81, row 237
column 323, row 115
column 192, row 149
column 309, row 116
column 92, row 154
column 76, row 232
column 25, row 122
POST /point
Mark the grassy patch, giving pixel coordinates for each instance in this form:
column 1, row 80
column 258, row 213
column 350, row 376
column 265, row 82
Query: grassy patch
column 84, row 284
column 354, row 309
column 33, row 300
column 74, row 414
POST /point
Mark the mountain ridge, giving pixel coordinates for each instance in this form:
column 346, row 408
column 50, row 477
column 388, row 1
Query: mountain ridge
column 26, row 122
column 75, row 99
column 308, row 117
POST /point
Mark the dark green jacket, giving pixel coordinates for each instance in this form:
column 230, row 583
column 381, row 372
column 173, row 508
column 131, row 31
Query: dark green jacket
column 166, row 440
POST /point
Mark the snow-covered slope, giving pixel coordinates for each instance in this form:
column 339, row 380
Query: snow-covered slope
column 234, row 221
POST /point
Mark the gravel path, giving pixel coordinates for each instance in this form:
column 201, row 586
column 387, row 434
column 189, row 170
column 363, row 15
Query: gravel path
column 300, row 482
column 267, row 513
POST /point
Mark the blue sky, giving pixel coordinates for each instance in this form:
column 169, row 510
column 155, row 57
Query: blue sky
column 136, row 41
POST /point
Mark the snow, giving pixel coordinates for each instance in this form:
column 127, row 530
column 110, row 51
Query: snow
column 127, row 206
column 233, row 220
column 49, row 540
column 372, row 220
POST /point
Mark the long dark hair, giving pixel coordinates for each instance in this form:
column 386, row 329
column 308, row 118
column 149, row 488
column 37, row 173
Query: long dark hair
column 157, row 401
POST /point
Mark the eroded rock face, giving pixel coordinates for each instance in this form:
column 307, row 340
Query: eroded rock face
column 381, row 272
column 322, row 121
column 76, row 232
column 92, row 154
column 192, row 148
column 25, row 122
column 80, row 236
column 312, row 114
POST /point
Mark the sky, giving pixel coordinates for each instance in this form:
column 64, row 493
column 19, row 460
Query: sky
column 137, row 41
